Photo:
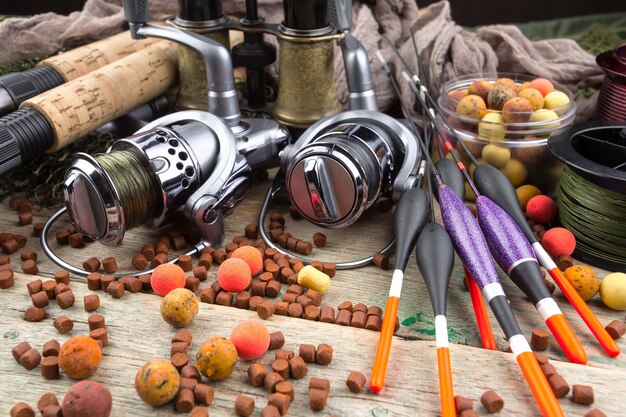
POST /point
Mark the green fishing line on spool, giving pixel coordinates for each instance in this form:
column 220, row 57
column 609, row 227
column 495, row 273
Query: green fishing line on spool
column 595, row 215
column 137, row 189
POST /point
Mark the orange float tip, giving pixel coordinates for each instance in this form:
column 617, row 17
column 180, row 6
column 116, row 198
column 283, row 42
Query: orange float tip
column 379, row 370
column 567, row 339
column 590, row 319
column 546, row 400
column 446, row 388
column 482, row 319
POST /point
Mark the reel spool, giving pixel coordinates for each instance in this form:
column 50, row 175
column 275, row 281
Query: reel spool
column 592, row 192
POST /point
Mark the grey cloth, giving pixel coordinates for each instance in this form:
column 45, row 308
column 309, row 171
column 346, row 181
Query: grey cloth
column 446, row 49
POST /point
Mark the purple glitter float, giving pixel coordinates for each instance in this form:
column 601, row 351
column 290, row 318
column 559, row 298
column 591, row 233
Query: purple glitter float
column 504, row 237
column 467, row 238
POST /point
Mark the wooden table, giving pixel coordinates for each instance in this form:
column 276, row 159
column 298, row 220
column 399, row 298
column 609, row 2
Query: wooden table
column 137, row 333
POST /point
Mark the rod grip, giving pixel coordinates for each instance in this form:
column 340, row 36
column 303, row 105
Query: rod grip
column 82, row 60
column 78, row 107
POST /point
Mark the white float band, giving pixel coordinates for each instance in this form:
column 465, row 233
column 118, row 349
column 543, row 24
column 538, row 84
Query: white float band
column 396, row 283
column 519, row 344
column 519, row 261
column 543, row 257
column 492, row 290
column 441, row 331
column 548, row 308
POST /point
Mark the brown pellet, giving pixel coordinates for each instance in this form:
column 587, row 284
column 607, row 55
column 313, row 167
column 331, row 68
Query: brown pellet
column 199, row 411
column 76, row 240
column 109, row 265
column 22, row 410
column 277, row 217
column 280, row 401
column 277, row 340
column 559, row 386
column 62, row 277
column 244, row 406
column 279, row 236
column 25, row 218
column 9, row 246
column 359, row 307
column 492, row 401
column 324, row 354
column 231, row 247
column 66, row 299
column 208, row 295
column 47, row 399
column 564, row 262
column 616, row 329
column 286, row 388
column 256, row 374
column 34, row 314
column 375, row 311
column 34, row 286
column 25, row 206
column 258, row 288
column 297, row 267
column 183, row 335
column 20, row 239
column 92, row 264
column 304, row 248
column 381, row 261
column 270, row 411
column 548, row 369
column 319, row 240
column 219, row 256
column 292, row 243
column 93, row 281
column 273, row 269
column 282, row 308
column 359, row 319
column 254, row 302
column 20, row 349
column 192, row 283
column 148, row 251
column 184, row 401
column 116, row 289
column 286, row 275
column 317, row 399
column 179, row 360
column 139, row 261
column 162, row 247
column 91, row 302
column 265, row 310
column 145, row 282
column 344, row 317
column 242, row 300
column 284, row 354
column 272, row 289
column 281, row 367
column 96, row 321
column 319, row 383
column 355, row 381
column 101, row 335
column 131, row 284
column 30, row 359
column 27, row 254
column 178, row 242
column 468, row 413
column 582, row 394
column 295, row 289
column 179, row 347
column 63, row 324
column 539, row 339
column 330, row 269
column 266, row 277
column 200, row 273
column 6, row 280
column 15, row 201
column 327, row 314
column 30, row 267
column 298, row 367
column 51, row 348
column 224, row 298
column 49, row 287
column 312, row 312
column 5, row 260
column 50, row 367
column 187, row 383
column 190, row 371
column 159, row 259
column 304, row 301
column 318, row 265
column 307, row 352
column 271, row 379
column 346, row 305
column 295, row 310
column 374, row 323
column 105, row 281
column 40, row 299
column 463, row 403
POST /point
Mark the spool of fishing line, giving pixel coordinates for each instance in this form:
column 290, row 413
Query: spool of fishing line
column 592, row 192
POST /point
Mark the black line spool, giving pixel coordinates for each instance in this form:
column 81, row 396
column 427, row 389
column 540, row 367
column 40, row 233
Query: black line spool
column 592, row 191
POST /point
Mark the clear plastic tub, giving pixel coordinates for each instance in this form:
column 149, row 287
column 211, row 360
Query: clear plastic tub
column 519, row 149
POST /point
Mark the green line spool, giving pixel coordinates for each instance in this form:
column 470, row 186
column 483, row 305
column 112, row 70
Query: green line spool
column 592, row 192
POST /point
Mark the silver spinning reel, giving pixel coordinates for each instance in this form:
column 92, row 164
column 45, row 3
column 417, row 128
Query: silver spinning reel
column 193, row 163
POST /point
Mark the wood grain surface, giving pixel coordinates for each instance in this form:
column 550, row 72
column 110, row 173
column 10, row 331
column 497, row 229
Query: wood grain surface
column 137, row 333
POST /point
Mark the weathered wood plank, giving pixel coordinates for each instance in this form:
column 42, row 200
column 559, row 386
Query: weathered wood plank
column 137, row 333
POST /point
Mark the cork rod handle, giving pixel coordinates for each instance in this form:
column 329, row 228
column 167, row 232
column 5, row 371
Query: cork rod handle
column 78, row 107
column 82, row 60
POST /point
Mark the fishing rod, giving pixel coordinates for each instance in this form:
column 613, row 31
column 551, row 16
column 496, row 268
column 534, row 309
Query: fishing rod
column 512, row 250
column 493, row 184
column 471, row 246
column 409, row 219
